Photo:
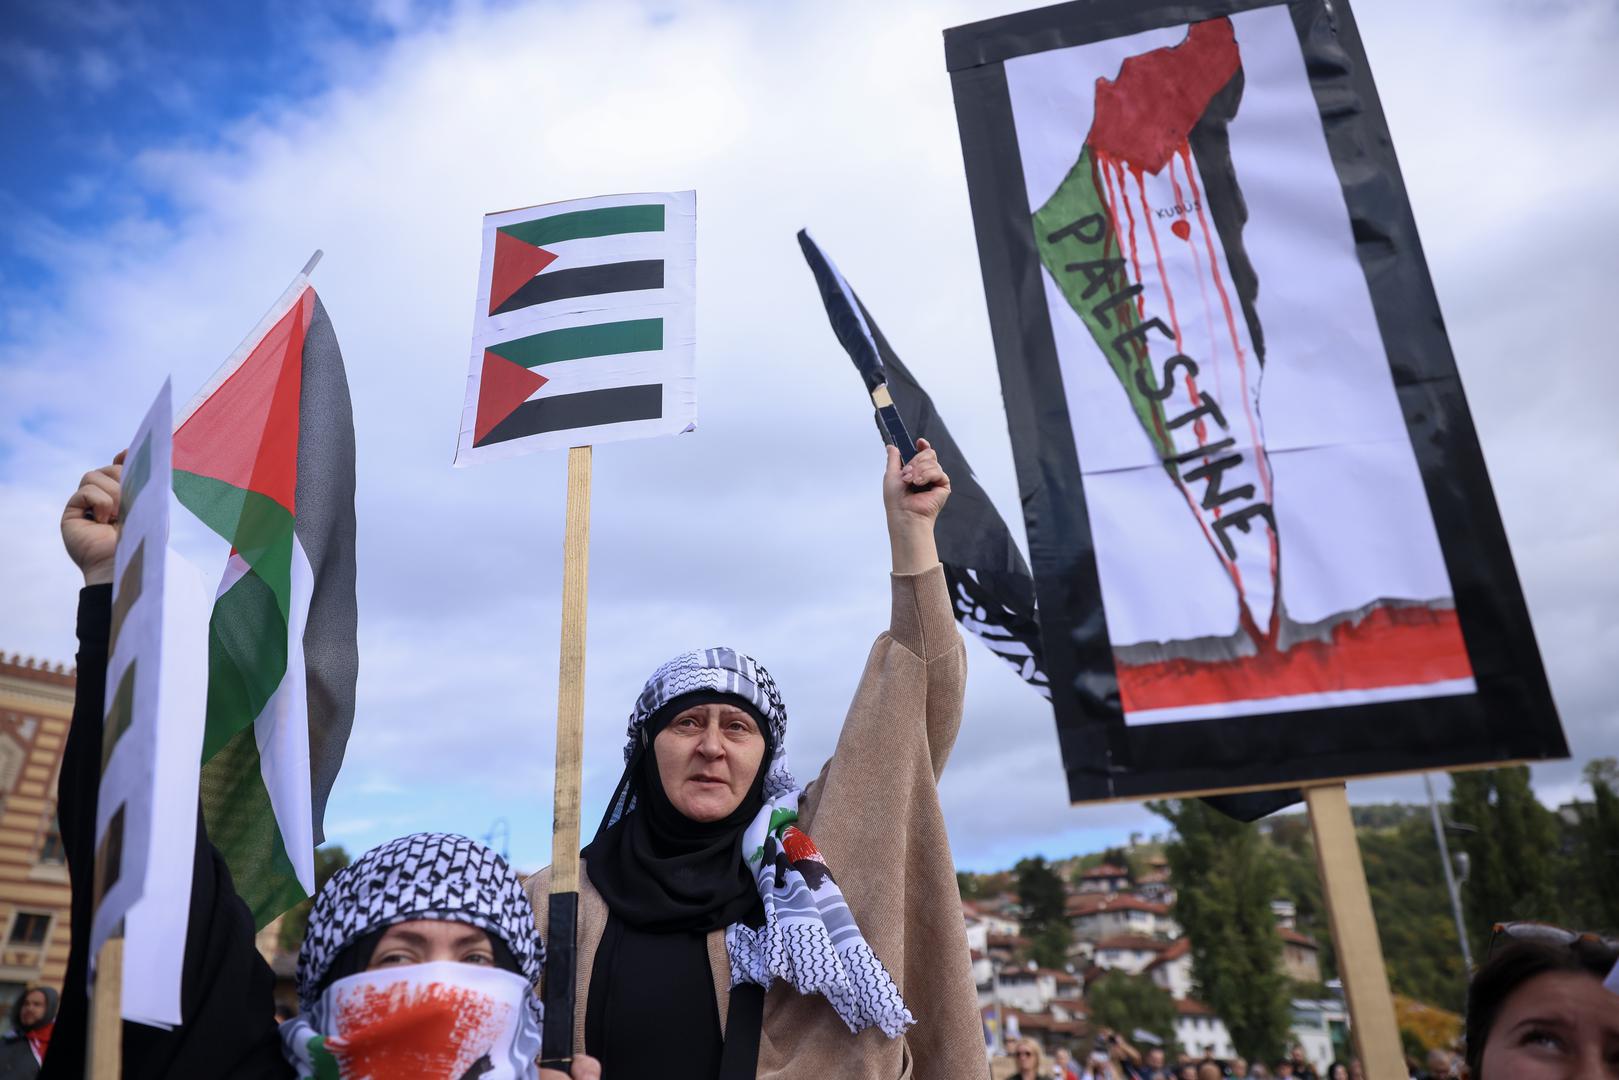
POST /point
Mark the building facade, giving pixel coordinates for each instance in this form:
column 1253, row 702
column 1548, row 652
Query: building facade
column 36, row 703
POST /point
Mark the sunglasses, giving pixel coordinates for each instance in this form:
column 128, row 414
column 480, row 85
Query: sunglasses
column 1547, row 934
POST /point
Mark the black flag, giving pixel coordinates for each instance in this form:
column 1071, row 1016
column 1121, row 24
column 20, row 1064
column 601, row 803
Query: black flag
column 990, row 585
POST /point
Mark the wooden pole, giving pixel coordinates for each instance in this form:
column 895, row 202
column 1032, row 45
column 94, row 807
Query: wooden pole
column 561, row 960
column 106, row 1009
column 1354, row 933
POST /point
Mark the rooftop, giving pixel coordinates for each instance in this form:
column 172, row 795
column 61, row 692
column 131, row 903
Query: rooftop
column 1135, row 942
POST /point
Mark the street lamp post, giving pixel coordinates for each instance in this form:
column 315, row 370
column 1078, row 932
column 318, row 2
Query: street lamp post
column 1450, row 876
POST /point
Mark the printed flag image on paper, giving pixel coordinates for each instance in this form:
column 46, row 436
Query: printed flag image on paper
column 585, row 326
column 264, row 456
column 1263, row 538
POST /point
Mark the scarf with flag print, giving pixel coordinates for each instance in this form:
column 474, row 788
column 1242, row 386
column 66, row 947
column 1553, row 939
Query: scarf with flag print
column 435, row 1021
column 809, row 938
column 264, row 456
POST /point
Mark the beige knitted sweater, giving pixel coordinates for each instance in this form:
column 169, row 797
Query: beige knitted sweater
column 874, row 813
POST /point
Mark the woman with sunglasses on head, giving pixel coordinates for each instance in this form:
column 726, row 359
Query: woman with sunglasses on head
column 1544, row 1006
column 421, row 958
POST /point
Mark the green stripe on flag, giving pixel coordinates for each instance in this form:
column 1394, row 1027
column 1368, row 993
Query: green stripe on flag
column 247, row 659
column 258, row 527
column 578, row 342
column 581, row 224
column 242, row 825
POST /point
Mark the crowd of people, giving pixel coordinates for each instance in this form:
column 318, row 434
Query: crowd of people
column 1544, row 1005
column 714, row 940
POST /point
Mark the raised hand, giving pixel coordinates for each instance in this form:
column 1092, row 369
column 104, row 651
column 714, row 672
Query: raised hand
column 913, row 495
column 90, row 522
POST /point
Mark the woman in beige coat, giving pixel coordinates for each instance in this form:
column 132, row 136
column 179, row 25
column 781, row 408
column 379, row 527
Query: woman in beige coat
column 717, row 939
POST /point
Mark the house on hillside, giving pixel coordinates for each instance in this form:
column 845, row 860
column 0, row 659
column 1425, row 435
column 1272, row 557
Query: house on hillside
column 1301, row 956
column 1172, row 969
column 1106, row 878
column 998, row 913
column 1154, row 885
column 977, row 944
column 1285, row 912
column 1200, row 1032
column 1094, row 916
column 1031, row 989
column 1003, row 948
column 1322, row 1028
column 1129, row 953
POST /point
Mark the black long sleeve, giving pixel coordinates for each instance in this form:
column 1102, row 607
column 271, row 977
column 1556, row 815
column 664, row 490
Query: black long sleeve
column 226, row 988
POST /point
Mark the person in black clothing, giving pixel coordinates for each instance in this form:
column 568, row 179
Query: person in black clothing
column 452, row 911
column 33, row 1016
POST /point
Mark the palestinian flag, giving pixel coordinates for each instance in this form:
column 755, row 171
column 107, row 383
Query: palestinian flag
column 585, row 327
column 264, row 455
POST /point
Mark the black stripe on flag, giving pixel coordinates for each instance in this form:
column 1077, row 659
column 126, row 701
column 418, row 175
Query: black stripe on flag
column 589, row 408
column 586, row 281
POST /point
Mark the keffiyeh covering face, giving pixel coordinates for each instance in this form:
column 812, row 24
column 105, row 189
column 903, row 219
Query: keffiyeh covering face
column 438, row 1021
column 809, row 937
column 369, row 1022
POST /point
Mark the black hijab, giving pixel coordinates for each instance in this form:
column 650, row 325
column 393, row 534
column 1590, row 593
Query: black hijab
column 660, row 871
column 668, row 881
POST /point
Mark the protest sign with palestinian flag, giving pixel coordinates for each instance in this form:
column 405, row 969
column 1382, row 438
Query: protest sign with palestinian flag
column 264, row 455
column 584, row 330
column 1262, row 534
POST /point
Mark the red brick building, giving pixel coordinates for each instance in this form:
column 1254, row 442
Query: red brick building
column 36, row 703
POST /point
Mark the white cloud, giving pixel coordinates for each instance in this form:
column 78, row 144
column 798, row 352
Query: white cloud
column 762, row 529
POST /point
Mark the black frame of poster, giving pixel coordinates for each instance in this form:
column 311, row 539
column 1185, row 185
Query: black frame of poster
column 1511, row 717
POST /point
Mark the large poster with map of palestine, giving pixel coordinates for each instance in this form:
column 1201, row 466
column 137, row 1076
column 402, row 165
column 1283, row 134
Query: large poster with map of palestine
column 1264, row 543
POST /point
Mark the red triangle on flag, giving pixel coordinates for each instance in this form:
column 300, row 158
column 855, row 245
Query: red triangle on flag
column 515, row 263
column 502, row 387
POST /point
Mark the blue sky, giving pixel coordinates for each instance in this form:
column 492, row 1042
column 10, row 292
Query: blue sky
column 88, row 87
column 168, row 167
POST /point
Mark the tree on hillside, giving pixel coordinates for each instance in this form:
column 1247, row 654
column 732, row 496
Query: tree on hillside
column 1045, row 920
column 1117, row 856
column 1225, row 881
column 1040, row 892
column 1599, row 845
column 1127, row 1002
column 1514, row 862
column 1413, row 915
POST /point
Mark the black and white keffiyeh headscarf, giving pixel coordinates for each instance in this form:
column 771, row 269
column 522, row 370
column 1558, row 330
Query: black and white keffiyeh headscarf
column 809, row 937
column 422, row 876
column 438, row 876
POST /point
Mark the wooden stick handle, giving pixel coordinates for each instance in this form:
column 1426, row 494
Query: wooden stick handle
column 1354, row 933
column 106, row 1012
column 561, row 944
column 571, row 676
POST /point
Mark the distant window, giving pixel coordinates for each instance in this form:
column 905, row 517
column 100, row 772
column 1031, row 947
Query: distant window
column 30, row 928
column 50, row 845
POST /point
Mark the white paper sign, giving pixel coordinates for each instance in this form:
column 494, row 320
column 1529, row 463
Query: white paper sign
column 146, row 813
column 585, row 326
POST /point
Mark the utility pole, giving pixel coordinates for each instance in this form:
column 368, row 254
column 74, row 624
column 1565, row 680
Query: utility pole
column 1450, row 876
